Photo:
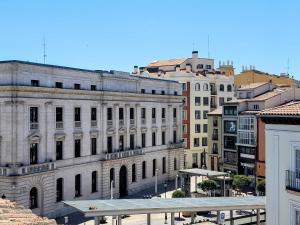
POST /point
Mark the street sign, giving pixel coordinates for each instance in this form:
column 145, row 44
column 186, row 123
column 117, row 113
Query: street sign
column 222, row 217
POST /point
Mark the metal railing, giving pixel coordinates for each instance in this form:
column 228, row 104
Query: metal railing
column 124, row 154
column 109, row 122
column 30, row 169
column 34, row 125
column 59, row 125
column 292, row 180
column 176, row 145
column 77, row 124
column 93, row 123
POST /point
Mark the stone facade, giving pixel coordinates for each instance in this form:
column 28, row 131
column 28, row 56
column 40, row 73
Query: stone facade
column 59, row 122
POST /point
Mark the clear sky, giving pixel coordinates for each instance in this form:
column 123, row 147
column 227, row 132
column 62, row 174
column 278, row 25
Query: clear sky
column 120, row 34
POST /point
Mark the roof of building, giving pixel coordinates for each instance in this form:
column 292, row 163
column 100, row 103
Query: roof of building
column 167, row 62
column 251, row 86
column 202, row 172
column 269, row 94
column 13, row 214
column 217, row 111
column 288, row 109
column 115, row 207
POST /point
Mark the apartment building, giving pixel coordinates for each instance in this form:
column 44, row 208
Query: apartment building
column 240, row 129
column 69, row 133
column 204, row 89
column 282, row 129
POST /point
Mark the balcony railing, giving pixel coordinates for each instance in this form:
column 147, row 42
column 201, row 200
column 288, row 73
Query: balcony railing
column 34, row 125
column 176, row 145
column 124, row 154
column 59, row 125
column 93, row 123
column 109, row 122
column 77, row 124
column 213, row 92
column 132, row 122
column 292, row 180
column 121, row 123
column 24, row 170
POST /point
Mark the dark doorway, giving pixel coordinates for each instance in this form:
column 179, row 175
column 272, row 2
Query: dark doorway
column 123, row 182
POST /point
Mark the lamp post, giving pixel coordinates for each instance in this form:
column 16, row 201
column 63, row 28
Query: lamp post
column 166, row 216
column 156, row 173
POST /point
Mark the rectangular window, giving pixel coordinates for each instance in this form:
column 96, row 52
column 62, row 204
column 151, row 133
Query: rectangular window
column 77, row 114
column 34, row 115
column 230, row 110
column 143, row 140
column 33, row 153
column 121, row 143
column 195, row 159
column 153, row 113
column 109, row 144
column 144, row 170
column 59, row 114
column 131, row 113
column 205, row 114
column 221, row 101
column 205, row 101
column 59, row 189
column 78, row 185
column 143, row 113
column 197, row 101
column 164, row 165
column 93, row 87
column 197, row 128
column 163, row 92
column 121, row 114
column 93, row 114
column 77, row 86
column 163, row 137
column 230, row 157
column 229, row 126
column 175, row 93
column 153, row 92
column 197, row 114
column 94, row 181
column 35, row 83
column 77, row 148
column 143, row 91
column 131, row 141
column 153, row 167
column 133, row 173
column 59, row 150
column 153, row 139
column 109, row 113
column 163, row 113
column 184, row 86
column 174, row 112
column 204, row 141
column 58, row 84
column 204, row 128
column 229, row 142
column 93, row 146
column 196, row 142
column 174, row 136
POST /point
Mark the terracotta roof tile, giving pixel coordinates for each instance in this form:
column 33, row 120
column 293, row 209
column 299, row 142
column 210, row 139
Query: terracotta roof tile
column 289, row 109
column 251, row 86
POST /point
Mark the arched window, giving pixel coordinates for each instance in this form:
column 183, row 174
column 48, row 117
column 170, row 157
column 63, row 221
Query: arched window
column 59, row 189
column 133, row 179
column 221, row 87
column 175, row 164
column 112, row 176
column 94, row 181
column 229, row 88
column 33, row 198
column 197, row 87
column 205, row 87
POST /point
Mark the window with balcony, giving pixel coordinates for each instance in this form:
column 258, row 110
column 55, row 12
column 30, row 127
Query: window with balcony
column 205, row 114
column 153, row 139
column 77, row 86
column 121, row 143
column 163, row 137
column 34, row 153
column 58, row 85
column 153, row 115
column 230, row 110
column 112, row 177
column 197, row 114
column 78, row 185
column 93, row 87
column 205, row 128
column 133, row 173
column 215, row 136
column 204, row 141
column 34, row 119
column 77, row 148
column 109, row 144
column 153, row 167
column 229, row 142
column 77, row 116
column 93, row 146
column 230, row 126
column 144, row 170
column 164, row 165
column 131, row 142
column 163, row 115
column 197, row 101
column 109, row 114
column 215, row 121
column 197, row 128
column 215, row 148
column 143, row 115
column 59, row 150
column 35, row 83
column 59, row 117
column 94, row 181
column 196, row 142
column 205, row 101
column 246, row 138
column 246, row 123
column 143, row 140
column 59, row 189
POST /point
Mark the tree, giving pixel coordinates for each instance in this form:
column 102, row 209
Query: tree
column 178, row 194
column 261, row 187
column 208, row 186
column 240, row 181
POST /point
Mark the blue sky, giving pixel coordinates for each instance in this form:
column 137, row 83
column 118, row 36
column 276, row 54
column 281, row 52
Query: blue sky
column 120, row 34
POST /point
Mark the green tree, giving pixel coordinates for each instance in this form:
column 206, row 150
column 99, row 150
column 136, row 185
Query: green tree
column 240, row 181
column 208, row 186
column 178, row 194
column 261, row 187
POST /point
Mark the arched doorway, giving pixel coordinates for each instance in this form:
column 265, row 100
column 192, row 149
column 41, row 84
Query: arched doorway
column 123, row 181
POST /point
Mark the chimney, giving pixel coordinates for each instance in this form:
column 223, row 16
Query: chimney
column 136, row 70
column 188, row 67
column 195, row 54
column 177, row 68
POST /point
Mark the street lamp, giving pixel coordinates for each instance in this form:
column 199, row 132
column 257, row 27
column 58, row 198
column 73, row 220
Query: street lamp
column 166, row 216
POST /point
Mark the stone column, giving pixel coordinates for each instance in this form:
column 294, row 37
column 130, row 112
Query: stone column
column 49, row 121
column 127, row 124
column 19, row 138
column 170, row 123
column 116, row 125
column 138, row 125
column 172, row 219
column 231, row 217
column 99, row 127
column 258, row 217
column 104, row 127
column 179, row 122
column 148, row 219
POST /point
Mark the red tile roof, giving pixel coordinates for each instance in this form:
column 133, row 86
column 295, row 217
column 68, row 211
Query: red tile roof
column 288, row 109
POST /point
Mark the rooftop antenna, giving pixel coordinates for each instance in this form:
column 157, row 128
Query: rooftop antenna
column 208, row 54
column 44, row 48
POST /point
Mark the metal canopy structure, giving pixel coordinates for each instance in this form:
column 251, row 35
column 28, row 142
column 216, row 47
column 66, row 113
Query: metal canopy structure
column 119, row 207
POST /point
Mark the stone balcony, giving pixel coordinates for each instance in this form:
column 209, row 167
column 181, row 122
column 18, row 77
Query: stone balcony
column 29, row 169
column 123, row 154
column 176, row 145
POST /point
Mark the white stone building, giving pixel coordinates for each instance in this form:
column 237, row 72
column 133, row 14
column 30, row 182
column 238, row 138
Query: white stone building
column 66, row 133
column 282, row 163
